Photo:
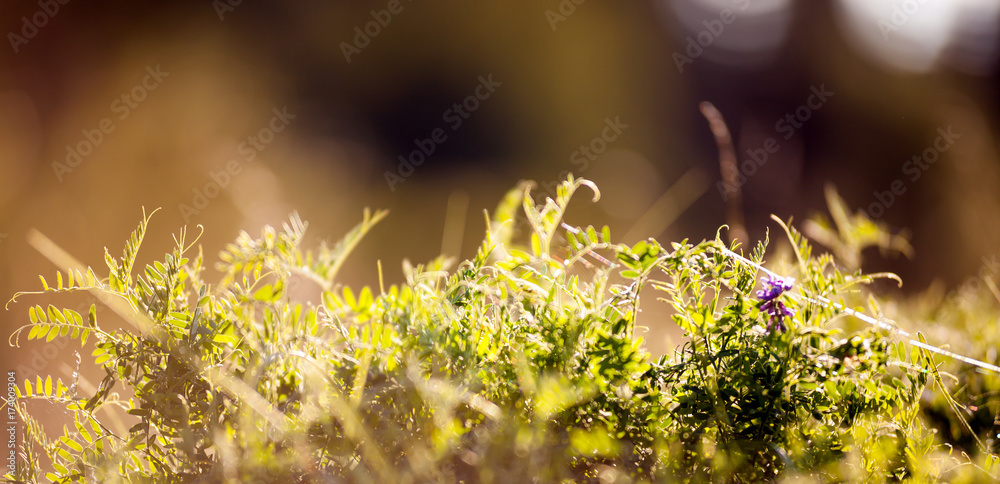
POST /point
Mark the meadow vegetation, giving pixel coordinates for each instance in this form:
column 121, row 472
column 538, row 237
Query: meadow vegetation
column 520, row 364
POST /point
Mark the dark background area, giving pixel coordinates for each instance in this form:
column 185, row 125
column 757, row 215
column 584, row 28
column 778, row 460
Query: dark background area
column 563, row 69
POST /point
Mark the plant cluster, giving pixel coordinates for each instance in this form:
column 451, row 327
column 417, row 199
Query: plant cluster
column 521, row 364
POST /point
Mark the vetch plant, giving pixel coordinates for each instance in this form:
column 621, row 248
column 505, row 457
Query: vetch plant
column 774, row 286
column 36, row 362
column 520, row 364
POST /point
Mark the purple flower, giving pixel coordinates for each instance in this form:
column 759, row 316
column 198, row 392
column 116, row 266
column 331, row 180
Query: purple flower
column 774, row 286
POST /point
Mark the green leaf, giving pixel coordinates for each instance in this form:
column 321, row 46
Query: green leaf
column 55, row 315
column 66, row 456
column 73, row 317
column 224, row 339
column 84, row 432
column 72, row 444
column 593, row 443
column 365, row 299
column 536, row 245
column 349, row 298
column 265, row 294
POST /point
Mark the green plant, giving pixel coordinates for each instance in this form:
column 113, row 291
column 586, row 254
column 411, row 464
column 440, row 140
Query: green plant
column 519, row 364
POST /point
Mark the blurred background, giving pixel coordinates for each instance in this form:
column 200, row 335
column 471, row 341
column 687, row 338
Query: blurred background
column 233, row 114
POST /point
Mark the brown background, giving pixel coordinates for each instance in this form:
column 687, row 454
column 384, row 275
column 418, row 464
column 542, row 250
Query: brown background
column 607, row 59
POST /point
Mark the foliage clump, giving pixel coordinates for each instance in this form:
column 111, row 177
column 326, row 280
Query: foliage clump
column 520, row 364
